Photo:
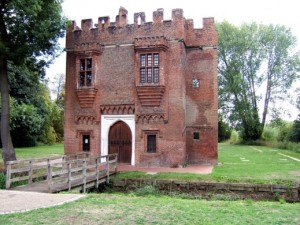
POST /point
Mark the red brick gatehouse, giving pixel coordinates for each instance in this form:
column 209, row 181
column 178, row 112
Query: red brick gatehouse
column 146, row 90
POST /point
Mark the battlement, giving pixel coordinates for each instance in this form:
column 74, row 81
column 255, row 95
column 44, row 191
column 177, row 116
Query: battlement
column 139, row 19
column 107, row 32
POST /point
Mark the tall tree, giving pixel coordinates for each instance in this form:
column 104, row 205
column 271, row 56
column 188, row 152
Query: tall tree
column 252, row 57
column 29, row 30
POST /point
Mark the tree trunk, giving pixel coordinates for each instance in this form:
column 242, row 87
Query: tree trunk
column 8, row 152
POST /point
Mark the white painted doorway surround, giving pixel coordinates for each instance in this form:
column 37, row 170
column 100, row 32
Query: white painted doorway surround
column 106, row 123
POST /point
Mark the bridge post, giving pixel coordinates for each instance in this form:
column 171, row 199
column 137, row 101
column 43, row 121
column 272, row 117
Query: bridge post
column 30, row 172
column 84, row 175
column 8, row 175
column 97, row 172
column 69, row 175
column 49, row 176
column 107, row 169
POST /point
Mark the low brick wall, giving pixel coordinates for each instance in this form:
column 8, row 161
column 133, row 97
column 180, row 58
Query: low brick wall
column 258, row 191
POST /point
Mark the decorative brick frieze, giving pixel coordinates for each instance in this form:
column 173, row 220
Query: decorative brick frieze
column 151, row 118
column 117, row 109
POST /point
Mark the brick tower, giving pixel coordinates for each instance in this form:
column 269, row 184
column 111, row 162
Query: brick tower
column 147, row 90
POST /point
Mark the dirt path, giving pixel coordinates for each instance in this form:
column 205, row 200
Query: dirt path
column 19, row 201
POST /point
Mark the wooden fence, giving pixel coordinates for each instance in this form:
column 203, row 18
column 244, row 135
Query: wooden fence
column 60, row 173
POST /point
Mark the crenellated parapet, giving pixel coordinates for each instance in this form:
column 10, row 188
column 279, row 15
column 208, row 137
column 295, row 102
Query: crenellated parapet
column 107, row 31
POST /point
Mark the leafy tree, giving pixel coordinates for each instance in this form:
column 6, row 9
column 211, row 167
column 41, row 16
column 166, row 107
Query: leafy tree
column 251, row 57
column 29, row 31
column 295, row 131
column 59, row 107
column 224, row 131
column 26, row 124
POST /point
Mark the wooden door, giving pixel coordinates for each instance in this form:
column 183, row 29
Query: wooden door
column 120, row 142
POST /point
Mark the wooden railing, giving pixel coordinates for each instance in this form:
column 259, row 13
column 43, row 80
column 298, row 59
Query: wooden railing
column 62, row 173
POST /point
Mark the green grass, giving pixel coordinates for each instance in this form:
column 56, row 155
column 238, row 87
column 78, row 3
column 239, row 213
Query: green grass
column 237, row 163
column 242, row 164
column 129, row 209
column 43, row 151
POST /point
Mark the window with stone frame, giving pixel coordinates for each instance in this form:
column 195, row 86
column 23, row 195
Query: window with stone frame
column 149, row 68
column 85, row 72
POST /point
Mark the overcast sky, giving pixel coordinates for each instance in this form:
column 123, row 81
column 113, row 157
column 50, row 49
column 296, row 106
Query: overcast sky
column 282, row 12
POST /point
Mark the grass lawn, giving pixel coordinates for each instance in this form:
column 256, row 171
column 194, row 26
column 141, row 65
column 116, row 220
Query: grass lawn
column 130, row 209
column 237, row 163
column 43, row 151
column 243, row 164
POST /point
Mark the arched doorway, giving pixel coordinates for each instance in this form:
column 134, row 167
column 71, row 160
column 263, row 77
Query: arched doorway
column 120, row 141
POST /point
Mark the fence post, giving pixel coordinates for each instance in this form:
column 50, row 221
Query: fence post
column 116, row 163
column 49, row 176
column 97, row 172
column 8, row 175
column 84, row 175
column 107, row 169
column 69, row 175
column 30, row 172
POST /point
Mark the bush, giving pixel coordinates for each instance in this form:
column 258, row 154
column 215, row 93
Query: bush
column 2, row 180
column 146, row 190
column 234, row 137
column 223, row 131
column 270, row 133
column 284, row 131
column 288, row 146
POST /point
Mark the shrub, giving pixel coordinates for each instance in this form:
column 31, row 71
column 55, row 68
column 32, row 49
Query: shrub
column 223, row 131
column 234, row 137
column 2, row 181
column 146, row 190
column 270, row 133
column 289, row 146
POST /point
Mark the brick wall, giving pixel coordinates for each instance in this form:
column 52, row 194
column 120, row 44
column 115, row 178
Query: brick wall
column 176, row 110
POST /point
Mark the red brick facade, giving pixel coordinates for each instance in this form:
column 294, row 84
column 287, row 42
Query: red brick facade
column 156, row 80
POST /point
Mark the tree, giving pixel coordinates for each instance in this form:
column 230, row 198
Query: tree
column 224, row 131
column 59, row 106
column 29, row 31
column 250, row 57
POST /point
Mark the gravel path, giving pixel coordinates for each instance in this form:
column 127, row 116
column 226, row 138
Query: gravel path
column 20, row 201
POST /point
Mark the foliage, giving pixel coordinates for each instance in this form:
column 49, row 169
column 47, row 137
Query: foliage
column 2, row 180
column 145, row 191
column 270, row 133
column 223, row 130
column 256, row 62
column 294, row 134
column 26, row 124
column 35, row 118
column 288, row 146
column 29, row 31
column 234, row 137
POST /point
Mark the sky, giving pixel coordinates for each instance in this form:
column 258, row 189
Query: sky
column 234, row 11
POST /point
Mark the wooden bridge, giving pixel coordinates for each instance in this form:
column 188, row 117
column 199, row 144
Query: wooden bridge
column 56, row 174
